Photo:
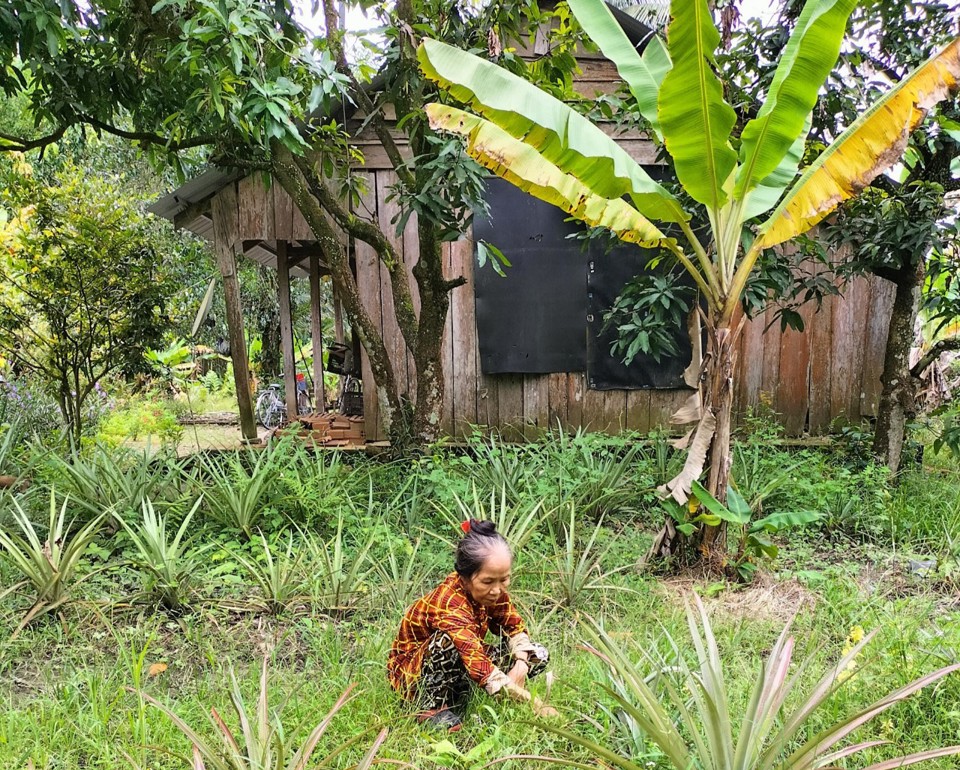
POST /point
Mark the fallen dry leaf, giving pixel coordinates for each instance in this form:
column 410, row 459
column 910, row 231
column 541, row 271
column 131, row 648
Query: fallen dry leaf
column 156, row 669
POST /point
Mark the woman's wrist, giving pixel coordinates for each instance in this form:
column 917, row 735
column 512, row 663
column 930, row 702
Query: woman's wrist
column 517, row 693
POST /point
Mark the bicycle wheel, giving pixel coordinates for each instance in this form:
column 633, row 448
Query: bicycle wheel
column 269, row 409
column 260, row 408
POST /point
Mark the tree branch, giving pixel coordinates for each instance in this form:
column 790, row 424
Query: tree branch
column 880, row 66
column 10, row 143
column 940, row 347
column 369, row 233
column 332, row 22
column 18, row 144
column 145, row 138
column 289, row 175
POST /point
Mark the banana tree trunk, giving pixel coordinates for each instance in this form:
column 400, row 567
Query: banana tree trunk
column 709, row 449
column 717, row 395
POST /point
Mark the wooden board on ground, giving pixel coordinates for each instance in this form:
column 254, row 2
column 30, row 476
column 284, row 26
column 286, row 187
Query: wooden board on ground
column 328, row 429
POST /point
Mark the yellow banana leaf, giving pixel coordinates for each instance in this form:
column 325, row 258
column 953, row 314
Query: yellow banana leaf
column 563, row 136
column 521, row 165
column 871, row 145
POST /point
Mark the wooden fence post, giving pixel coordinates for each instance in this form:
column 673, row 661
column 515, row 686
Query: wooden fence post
column 286, row 331
column 316, row 334
column 225, row 237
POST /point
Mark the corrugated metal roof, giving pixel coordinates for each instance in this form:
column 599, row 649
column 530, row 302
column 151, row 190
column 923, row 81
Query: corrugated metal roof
column 194, row 191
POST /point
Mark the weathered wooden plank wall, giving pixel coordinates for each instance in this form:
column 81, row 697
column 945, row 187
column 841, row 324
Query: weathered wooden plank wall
column 790, row 372
column 812, row 379
column 368, row 286
column 827, row 374
column 373, row 280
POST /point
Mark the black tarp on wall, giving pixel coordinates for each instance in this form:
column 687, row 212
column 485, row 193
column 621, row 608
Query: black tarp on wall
column 607, row 274
column 546, row 314
column 532, row 320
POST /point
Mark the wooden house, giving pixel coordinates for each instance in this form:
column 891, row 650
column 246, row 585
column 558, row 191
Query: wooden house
column 830, row 372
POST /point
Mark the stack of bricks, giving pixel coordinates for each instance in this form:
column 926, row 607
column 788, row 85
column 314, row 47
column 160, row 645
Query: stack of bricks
column 330, row 429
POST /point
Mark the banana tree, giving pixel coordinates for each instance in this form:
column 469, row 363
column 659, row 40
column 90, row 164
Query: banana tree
column 546, row 148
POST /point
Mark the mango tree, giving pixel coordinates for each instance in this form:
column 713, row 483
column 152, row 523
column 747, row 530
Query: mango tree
column 549, row 150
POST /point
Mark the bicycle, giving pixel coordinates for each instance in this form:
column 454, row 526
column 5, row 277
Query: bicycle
column 349, row 401
column 271, row 408
column 340, row 361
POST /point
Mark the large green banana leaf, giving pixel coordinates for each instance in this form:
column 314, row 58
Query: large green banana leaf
column 694, row 118
column 521, row 165
column 873, row 143
column 642, row 74
column 806, row 61
column 765, row 195
column 562, row 136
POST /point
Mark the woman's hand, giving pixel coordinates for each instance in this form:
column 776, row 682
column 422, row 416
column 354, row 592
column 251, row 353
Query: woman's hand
column 541, row 709
column 518, row 674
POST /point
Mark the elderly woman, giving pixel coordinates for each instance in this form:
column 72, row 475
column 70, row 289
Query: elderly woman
column 440, row 651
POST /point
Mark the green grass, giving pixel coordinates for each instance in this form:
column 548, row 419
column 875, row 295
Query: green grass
column 66, row 702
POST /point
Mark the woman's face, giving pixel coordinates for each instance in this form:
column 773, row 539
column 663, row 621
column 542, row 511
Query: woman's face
column 488, row 584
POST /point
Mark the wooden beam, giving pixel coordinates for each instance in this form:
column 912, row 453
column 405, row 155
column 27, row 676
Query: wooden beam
column 316, row 335
column 224, row 208
column 286, row 331
column 191, row 213
column 337, row 317
column 295, row 254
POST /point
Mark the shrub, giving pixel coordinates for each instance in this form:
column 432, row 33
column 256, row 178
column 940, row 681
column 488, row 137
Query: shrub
column 338, row 577
column 516, row 522
column 117, row 478
column 315, row 485
column 141, row 419
column 578, row 563
column 596, row 474
column 26, row 404
column 239, row 492
column 170, row 564
column 263, row 743
column 279, row 577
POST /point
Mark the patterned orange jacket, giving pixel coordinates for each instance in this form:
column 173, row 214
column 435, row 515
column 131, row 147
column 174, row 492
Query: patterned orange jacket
column 449, row 608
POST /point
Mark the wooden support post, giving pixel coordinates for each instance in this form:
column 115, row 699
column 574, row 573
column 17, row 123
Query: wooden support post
column 337, row 317
column 316, row 334
column 286, row 331
column 224, row 208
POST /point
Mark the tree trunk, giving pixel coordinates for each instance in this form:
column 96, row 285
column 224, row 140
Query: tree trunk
column 898, row 396
column 434, row 304
column 306, row 196
column 717, row 393
column 267, row 324
column 71, row 416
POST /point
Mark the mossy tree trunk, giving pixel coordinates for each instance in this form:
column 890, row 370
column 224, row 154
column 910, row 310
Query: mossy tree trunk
column 898, row 397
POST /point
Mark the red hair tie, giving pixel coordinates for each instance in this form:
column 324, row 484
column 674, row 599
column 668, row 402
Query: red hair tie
column 465, row 526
